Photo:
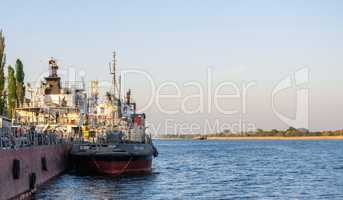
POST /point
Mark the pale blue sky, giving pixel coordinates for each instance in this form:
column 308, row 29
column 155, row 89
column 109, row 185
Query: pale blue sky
column 177, row 40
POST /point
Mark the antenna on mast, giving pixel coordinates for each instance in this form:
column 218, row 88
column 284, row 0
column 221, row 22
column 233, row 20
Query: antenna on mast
column 115, row 101
column 113, row 72
column 119, row 89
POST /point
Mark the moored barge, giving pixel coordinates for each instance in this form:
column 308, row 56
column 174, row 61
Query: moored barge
column 35, row 144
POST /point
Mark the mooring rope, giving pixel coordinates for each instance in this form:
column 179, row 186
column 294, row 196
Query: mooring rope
column 121, row 171
column 125, row 168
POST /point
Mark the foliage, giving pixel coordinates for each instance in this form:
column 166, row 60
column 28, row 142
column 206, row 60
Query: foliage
column 2, row 75
column 11, row 90
column 291, row 129
column 290, row 132
column 20, row 86
column 259, row 130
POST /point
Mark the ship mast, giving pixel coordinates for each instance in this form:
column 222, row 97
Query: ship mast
column 114, row 99
column 113, row 73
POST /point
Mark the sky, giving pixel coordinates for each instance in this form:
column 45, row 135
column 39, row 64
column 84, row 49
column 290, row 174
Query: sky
column 184, row 42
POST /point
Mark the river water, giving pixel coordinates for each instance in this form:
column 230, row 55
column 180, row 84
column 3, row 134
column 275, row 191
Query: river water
column 220, row 170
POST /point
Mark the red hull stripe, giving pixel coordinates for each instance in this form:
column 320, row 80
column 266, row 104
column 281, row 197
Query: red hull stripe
column 115, row 167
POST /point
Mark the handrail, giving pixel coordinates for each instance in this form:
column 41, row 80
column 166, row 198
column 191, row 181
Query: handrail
column 10, row 140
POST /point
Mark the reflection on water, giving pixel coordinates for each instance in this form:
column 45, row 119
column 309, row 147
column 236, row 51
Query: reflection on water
column 86, row 187
column 220, row 170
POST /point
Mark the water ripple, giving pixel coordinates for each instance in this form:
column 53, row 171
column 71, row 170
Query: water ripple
column 220, row 170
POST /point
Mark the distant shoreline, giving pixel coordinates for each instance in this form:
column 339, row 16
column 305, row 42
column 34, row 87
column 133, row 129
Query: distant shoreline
column 258, row 138
column 278, row 138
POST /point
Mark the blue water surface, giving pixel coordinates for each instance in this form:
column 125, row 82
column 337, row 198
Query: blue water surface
column 294, row 169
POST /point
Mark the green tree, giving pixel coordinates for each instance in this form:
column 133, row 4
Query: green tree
column 2, row 75
column 275, row 131
column 19, row 74
column 11, row 90
column 259, row 130
column 291, row 129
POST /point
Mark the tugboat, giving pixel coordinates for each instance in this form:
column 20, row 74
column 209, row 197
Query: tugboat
column 116, row 142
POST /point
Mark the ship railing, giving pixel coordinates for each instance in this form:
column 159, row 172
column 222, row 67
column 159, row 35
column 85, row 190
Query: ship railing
column 5, row 141
column 8, row 140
